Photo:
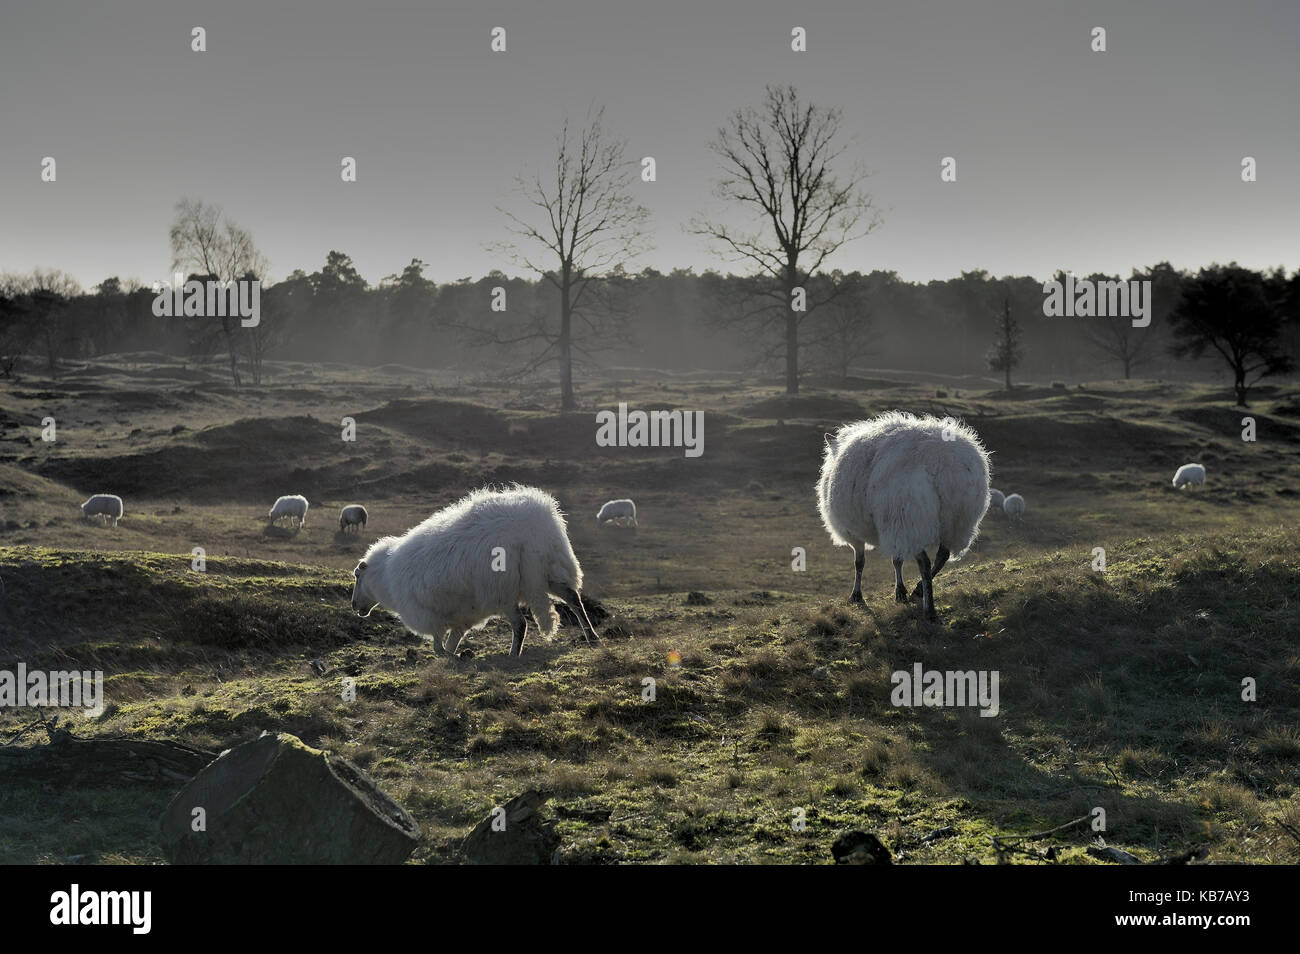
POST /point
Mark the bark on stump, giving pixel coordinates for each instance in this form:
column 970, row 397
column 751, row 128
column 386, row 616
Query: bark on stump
column 278, row 801
column 513, row 834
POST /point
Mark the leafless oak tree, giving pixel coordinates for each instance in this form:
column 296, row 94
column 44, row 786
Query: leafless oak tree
column 585, row 224
column 778, row 163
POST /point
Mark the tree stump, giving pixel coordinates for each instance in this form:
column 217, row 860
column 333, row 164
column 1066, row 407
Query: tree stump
column 278, row 801
column 513, row 834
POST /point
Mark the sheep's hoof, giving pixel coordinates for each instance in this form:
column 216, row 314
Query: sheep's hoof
column 931, row 616
column 900, row 594
column 856, row 597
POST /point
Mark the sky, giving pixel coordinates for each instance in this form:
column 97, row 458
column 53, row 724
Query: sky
column 1066, row 158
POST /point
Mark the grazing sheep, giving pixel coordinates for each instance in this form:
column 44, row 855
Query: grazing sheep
column 353, row 515
column 103, row 505
column 293, row 508
column 896, row 483
column 490, row 554
column 1189, row 474
column 617, row 510
column 1014, row 506
column 996, row 497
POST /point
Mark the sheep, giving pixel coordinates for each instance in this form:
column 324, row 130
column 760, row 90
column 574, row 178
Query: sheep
column 895, row 482
column 1189, row 474
column 1014, row 506
column 494, row 553
column 294, row 508
column 103, row 505
column 996, row 497
column 617, row 510
column 353, row 515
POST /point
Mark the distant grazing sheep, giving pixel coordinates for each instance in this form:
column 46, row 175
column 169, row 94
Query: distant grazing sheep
column 490, row 554
column 353, row 515
column 103, row 505
column 995, row 499
column 617, row 510
column 896, row 483
column 1189, row 474
column 292, row 508
column 1014, row 506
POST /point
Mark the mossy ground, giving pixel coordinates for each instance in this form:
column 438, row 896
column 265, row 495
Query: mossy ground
column 1120, row 690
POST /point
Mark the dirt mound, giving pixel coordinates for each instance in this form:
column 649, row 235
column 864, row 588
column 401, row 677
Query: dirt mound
column 1226, row 422
column 456, row 423
column 1100, row 443
column 800, row 407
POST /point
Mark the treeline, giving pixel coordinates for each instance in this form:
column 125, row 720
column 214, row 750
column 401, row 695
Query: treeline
column 676, row 321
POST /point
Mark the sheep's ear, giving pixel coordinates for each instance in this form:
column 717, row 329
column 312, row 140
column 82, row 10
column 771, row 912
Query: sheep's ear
column 830, row 440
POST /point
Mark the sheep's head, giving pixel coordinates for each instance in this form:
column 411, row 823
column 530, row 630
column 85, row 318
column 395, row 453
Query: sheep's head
column 362, row 602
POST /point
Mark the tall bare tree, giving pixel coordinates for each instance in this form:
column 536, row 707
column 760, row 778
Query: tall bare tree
column 586, row 224
column 207, row 243
column 779, row 164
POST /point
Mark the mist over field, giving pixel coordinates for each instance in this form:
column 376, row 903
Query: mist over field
column 401, row 258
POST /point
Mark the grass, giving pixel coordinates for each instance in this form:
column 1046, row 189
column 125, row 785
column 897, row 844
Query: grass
column 771, row 694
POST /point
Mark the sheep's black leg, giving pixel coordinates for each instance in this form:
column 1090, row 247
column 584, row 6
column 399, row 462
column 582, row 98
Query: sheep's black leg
column 927, row 592
column 859, row 558
column 574, row 601
column 521, row 627
column 453, row 641
column 900, row 590
column 940, row 558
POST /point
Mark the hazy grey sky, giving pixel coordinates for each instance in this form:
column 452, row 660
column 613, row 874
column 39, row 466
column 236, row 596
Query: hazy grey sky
column 1066, row 158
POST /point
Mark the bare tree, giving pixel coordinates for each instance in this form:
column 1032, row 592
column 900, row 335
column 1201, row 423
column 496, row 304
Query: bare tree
column 844, row 331
column 586, row 226
column 1119, row 339
column 205, row 242
column 778, row 164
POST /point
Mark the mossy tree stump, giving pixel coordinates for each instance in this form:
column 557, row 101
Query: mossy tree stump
column 278, row 801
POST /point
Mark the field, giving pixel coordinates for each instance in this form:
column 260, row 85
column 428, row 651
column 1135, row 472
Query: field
column 1119, row 689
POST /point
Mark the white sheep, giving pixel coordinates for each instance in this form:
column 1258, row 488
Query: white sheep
column 617, row 510
column 1189, row 474
column 353, row 515
column 292, row 508
column 1014, row 506
column 904, row 483
column 996, row 497
column 103, row 505
column 491, row 554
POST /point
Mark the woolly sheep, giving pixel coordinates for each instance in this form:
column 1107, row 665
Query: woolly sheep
column 1189, row 474
column 896, row 483
column 617, row 510
column 353, row 515
column 293, row 508
column 103, row 505
column 491, row 554
column 996, row 498
column 1014, row 506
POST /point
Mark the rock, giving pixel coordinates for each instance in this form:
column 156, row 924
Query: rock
column 513, row 834
column 278, row 801
column 696, row 598
column 860, row 848
column 821, row 672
